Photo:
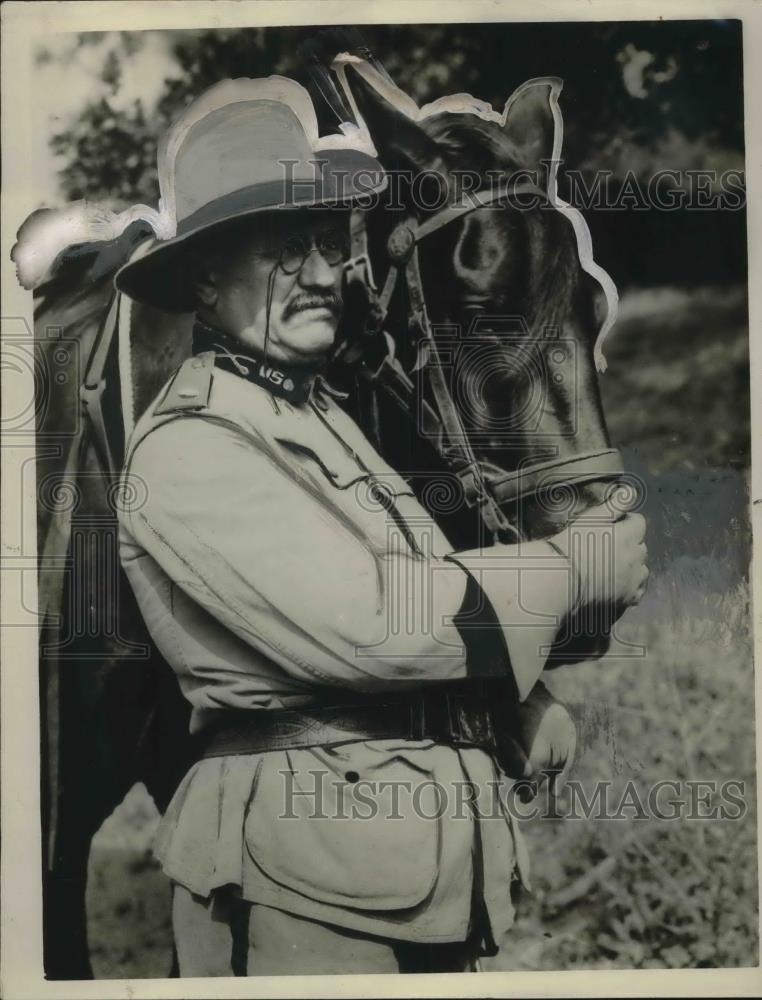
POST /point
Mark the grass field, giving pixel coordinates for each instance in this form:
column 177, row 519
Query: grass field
column 629, row 893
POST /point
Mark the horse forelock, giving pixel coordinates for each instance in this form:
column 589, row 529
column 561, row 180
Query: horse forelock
column 552, row 299
column 469, row 142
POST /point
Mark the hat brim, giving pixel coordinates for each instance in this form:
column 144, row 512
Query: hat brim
column 158, row 274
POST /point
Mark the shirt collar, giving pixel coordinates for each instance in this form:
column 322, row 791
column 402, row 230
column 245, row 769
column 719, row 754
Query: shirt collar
column 293, row 383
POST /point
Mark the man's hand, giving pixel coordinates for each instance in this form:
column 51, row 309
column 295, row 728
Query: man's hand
column 607, row 552
column 542, row 739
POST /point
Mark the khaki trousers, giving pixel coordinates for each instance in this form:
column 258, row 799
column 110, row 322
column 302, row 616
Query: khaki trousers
column 226, row 936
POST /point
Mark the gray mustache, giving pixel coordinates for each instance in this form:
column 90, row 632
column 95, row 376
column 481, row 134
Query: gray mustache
column 330, row 301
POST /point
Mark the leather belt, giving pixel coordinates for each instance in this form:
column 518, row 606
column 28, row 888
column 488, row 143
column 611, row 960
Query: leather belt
column 456, row 719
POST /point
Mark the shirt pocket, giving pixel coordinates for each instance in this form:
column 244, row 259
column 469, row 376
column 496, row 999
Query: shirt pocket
column 335, row 470
column 339, row 832
column 370, row 500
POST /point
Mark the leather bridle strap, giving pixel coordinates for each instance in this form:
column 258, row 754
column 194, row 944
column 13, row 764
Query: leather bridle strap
column 505, row 487
column 406, row 235
column 403, row 255
column 456, row 447
column 486, row 491
column 94, row 385
column 479, row 199
column 567, row 471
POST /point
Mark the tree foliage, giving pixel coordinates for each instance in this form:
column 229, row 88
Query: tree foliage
column 637, row 82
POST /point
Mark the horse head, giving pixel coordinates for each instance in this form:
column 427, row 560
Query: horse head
column 508, row 288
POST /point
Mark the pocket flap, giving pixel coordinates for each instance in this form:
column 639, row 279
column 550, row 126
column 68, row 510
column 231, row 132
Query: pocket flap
column 339, row 840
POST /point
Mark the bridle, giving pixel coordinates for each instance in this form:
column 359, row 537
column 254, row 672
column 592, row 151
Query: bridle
column 372, row 354
column 488, row 489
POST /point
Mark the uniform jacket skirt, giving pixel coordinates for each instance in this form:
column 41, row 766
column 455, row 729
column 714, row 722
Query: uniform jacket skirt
column 395, row 839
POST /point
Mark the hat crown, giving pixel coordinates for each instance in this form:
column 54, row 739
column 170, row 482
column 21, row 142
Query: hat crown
column 235, row 147
column 241, row 134
column 241, row 148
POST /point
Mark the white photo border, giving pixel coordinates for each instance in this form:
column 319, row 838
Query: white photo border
column 24, row 23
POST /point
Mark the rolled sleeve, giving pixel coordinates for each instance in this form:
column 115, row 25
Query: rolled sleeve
column 523, row 594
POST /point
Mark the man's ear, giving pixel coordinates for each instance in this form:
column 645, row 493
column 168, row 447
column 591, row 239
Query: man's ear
column 401, row 142
column 205, row 285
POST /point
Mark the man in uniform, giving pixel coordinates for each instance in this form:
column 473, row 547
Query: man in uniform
column 338, row 819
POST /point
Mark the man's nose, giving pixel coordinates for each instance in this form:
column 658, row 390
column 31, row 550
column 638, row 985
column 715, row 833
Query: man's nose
column 316, row 272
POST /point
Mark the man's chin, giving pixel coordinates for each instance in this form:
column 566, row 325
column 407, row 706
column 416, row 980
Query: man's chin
column 310, row 341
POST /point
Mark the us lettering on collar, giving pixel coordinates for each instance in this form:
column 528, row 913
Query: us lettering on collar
column 277, row 377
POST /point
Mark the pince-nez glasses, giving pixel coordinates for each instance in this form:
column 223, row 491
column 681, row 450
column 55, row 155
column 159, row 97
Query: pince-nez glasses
column 333, row 246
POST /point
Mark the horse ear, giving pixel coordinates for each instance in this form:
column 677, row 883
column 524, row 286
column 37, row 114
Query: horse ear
column 389, row 115
column 530, row 121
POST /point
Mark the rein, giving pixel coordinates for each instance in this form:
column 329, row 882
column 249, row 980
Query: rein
column 487, row 488
column 487, row 491
column 93, row 387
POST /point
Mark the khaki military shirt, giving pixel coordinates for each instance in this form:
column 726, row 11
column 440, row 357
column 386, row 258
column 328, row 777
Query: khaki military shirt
column 266, row 568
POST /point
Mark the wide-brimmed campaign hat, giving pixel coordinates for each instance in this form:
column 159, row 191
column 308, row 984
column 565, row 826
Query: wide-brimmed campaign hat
column 241, row 148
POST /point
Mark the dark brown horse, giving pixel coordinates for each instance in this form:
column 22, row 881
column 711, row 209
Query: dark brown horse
column 510, row 291
column 112, row 714
column 495, row 282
